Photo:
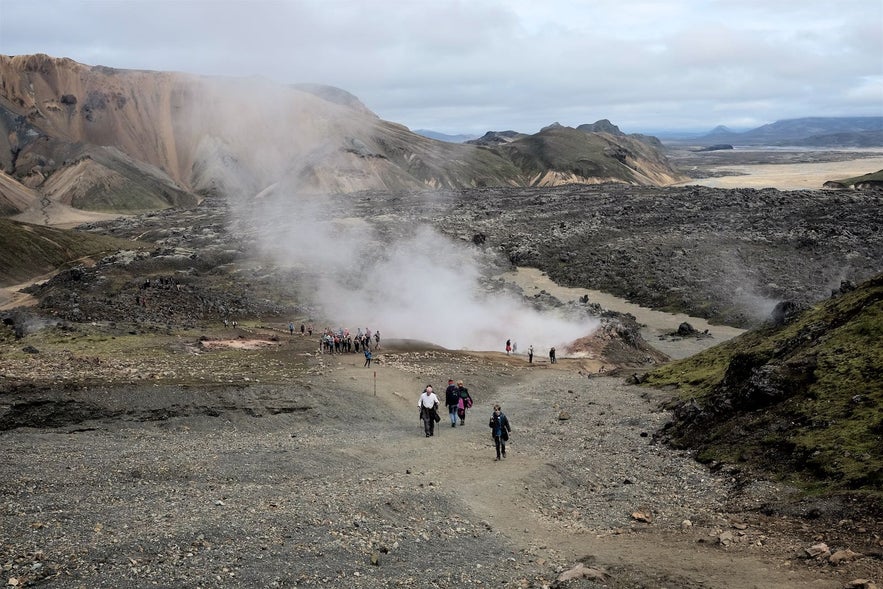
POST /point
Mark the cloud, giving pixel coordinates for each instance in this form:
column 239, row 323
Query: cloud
column 461, row 66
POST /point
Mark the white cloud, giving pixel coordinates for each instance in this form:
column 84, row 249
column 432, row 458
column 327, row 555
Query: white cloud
column 458, row 66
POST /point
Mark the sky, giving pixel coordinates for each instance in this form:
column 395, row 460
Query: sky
column 473, row 66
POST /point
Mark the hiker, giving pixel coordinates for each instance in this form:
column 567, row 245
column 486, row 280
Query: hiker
column 508, row 346
column 290, row 328
column 500, row 429
column 464, row 403
column 302, row 329
column 452, row 400
column 530, row 354
column 377, row 339
column 428, row 405
column 367, row 357
column 514, row 347
column 552, row 355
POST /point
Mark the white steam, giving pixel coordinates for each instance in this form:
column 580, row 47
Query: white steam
column 423, row 286
column 260, row 145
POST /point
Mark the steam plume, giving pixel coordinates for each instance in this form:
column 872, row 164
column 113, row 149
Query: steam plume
column 409, row 282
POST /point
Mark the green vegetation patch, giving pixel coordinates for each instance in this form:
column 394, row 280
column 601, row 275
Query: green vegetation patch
column 802, row 400
column 32, row 250
column 872, row 177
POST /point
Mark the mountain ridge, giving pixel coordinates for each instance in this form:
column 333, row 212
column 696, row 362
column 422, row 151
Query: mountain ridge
column 208, row 135
column 804, row 132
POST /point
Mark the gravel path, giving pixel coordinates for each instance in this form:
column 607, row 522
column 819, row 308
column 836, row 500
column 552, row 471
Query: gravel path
column 322, row 483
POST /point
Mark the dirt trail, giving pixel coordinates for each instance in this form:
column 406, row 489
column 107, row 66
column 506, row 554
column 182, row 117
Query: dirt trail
column 459, row 461
column 656, row 325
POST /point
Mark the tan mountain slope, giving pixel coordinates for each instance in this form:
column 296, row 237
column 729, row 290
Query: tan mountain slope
column 240, row 136
column 15, row 197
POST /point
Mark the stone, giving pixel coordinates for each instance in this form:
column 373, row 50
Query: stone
column 563, row 416
column 819, row 550
column 643, row 516
column 581, row 571
column 845, row 555
column 725, row 538
column 861, row 584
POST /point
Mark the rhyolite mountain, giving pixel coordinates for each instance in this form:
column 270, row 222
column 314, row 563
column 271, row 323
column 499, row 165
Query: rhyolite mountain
column 104, row 139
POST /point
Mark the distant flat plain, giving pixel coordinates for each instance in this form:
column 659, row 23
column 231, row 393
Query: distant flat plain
column 783, row 169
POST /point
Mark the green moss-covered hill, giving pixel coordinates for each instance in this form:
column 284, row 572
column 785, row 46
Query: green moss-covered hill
column 32, row 250
column 857, row 180
column 802, row 399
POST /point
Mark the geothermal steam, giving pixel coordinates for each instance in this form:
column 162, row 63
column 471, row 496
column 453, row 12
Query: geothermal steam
column 255, row 141
column 422, row 285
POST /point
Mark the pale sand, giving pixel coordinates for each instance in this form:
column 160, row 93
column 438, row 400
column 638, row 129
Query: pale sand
column 789, row 176
column 654, row 323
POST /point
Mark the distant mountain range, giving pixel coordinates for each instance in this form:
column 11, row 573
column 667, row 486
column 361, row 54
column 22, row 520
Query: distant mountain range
column 444, row 137
column 803, row 132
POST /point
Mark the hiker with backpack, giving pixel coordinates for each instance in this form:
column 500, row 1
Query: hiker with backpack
column 452, row 401
column 464, row 402
column 500, row 429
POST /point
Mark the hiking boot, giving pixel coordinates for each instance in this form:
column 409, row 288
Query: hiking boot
column 453, row 425
column 496, row 459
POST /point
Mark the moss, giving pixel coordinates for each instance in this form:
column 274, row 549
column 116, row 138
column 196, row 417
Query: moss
column 31, row 250
column 826, row 428
column 873, row 176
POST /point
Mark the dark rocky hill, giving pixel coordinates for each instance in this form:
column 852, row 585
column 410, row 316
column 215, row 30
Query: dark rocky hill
column 801, row 396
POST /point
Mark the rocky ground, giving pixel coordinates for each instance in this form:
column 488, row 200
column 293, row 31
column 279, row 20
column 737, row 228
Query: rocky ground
column 291, row 469
column 147, row 444
column 726, row 255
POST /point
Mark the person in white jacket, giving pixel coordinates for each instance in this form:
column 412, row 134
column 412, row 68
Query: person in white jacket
column 428, row 405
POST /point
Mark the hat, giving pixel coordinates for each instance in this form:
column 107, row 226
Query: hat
column 450, row 380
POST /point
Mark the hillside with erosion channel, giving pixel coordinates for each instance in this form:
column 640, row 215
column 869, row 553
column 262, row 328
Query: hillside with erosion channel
column 146, row 442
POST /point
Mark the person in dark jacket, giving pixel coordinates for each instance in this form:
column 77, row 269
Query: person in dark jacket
column 500, row 429
column 452, row 401
column 464, row 403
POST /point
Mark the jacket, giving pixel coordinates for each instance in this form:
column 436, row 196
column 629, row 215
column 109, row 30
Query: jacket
column 452, row 395
column 499, row 424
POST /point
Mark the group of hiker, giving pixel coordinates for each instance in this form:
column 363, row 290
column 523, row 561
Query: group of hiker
column 304, row 328
column 458, row 401
column 512, row 347
column 341, row 341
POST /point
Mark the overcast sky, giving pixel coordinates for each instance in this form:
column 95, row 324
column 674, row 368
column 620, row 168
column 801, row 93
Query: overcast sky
column 479, row 65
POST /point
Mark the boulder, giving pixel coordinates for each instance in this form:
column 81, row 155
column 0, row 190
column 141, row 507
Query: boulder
column 819, row 550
